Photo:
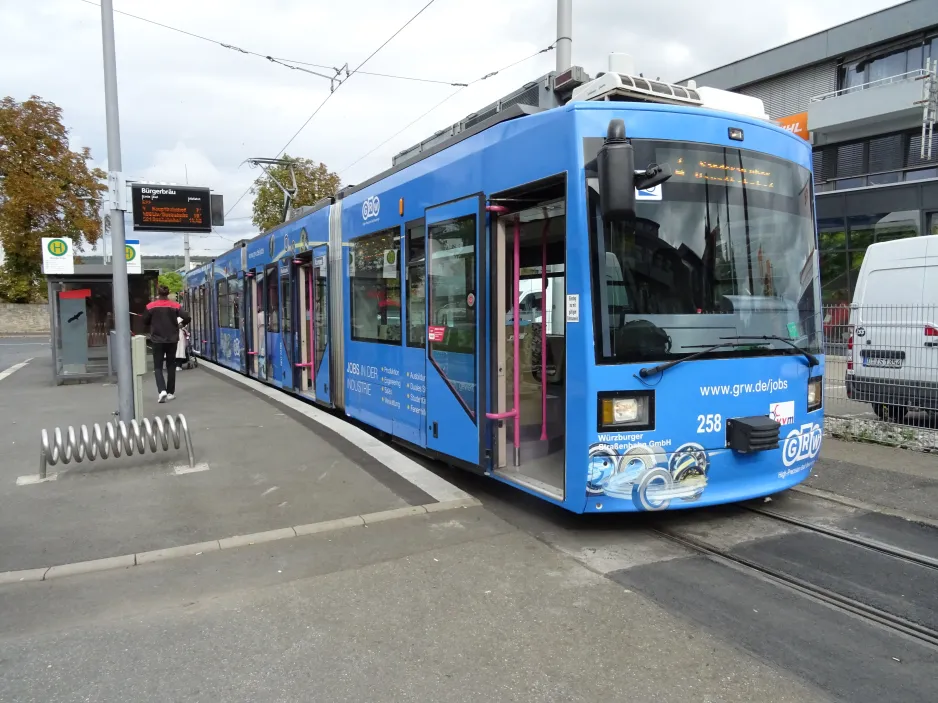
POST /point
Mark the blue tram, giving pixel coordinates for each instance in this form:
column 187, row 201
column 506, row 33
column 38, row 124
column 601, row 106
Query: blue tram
column 612, row 304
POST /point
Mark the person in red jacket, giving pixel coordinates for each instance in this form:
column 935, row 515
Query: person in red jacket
column 161, row 317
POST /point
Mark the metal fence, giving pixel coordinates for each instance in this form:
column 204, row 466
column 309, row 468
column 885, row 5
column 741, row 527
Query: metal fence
column 881, row 375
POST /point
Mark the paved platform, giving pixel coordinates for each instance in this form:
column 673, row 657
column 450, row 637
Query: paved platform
column 269, row 467
column 450, row 606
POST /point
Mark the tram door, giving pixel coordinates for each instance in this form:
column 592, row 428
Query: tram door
column 322, row 373
column 208, row 329
column 250, row 326
column 271, row 321
column 258, row 349
column 455, row 330
column 528, row 295
column 305, row 331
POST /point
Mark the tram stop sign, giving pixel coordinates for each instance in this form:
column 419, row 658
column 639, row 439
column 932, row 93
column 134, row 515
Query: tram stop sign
column 58, row 255
column 132, row 254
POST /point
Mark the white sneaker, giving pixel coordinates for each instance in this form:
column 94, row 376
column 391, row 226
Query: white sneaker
column 170, row 397
column 162, row 398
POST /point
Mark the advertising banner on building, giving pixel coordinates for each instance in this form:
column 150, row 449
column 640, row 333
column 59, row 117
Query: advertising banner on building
column 797, row 124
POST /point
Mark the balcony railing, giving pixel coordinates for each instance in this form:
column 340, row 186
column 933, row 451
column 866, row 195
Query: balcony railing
column 915, row 75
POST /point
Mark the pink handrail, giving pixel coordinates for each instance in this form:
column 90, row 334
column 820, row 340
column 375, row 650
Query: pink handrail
column 516, row 266
column 312, row 329
column 544, row 329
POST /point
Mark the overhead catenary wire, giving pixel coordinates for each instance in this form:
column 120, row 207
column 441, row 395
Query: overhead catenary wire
column 329, row 96
column 456, row 92
column 291, row 64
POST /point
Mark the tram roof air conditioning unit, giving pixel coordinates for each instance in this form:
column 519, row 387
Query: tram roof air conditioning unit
column 619, row 84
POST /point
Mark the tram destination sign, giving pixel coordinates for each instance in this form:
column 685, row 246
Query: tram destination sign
column 162, row 208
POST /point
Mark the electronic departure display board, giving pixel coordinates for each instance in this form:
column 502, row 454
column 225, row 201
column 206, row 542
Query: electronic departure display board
column 161, row 208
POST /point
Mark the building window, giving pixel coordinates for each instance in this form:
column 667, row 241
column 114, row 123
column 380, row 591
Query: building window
column 832, row 240
column 921, row 173
column 851, row 159
column 889, row 158
column 416, row 285
column 375, row 285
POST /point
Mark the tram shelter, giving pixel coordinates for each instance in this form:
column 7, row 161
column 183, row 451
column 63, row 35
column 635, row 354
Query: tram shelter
column 81, row 319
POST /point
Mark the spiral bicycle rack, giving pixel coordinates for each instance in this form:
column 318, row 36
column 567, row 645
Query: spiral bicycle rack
column 116, row 438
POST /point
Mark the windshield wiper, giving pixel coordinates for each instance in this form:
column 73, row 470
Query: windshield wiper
column 652, row 370
column 812, row 360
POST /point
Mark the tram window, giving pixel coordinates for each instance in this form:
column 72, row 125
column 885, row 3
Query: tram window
column 707, row 261
column 416, row 286
column 235, row 287
column 273, row 302
column 287, row 304
column 452, row 286
column 224, row 310
column 375, row 284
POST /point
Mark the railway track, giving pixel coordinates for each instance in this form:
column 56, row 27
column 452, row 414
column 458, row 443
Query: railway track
column 896, row 623
column 871, row 544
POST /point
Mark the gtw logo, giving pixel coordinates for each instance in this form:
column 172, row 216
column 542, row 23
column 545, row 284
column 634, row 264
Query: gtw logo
column 371, row 208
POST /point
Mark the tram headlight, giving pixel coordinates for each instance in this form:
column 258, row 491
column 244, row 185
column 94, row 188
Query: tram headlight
column 624, row 409
column 815, row 392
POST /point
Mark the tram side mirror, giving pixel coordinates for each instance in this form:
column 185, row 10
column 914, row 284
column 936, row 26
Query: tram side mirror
column 615, row 165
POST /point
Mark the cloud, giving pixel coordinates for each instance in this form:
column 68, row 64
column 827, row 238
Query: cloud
column 186, row 102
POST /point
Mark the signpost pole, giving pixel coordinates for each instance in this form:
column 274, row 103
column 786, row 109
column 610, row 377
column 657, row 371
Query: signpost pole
column 186, row 245
column 125, row 380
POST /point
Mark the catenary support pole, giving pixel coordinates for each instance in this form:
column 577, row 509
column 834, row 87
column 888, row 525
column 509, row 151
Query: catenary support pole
column 564, row 35
column 116, row 186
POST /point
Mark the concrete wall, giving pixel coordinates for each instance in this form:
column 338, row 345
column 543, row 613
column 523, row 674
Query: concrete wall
column 24, row 319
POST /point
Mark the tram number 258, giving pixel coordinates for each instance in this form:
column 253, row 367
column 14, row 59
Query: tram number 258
column 709, row 423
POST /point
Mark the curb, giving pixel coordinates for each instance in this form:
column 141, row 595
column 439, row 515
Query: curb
column 126, row 561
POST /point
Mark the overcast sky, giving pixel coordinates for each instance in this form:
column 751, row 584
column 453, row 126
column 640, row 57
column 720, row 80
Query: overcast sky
column 187, row 104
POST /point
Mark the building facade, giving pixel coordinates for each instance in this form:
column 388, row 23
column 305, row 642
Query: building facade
column 858, row 92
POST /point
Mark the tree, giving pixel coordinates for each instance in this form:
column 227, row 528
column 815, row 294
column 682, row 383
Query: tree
column 172, row 280
column 46, row 190
column 313, row 183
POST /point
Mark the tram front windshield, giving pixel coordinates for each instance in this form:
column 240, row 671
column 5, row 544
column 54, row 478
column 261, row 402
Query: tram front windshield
column 724, row 249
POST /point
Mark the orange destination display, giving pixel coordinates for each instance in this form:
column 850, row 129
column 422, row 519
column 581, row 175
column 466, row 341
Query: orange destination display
column 162, row 208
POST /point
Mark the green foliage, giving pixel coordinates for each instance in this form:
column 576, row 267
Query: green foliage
column 46, row 190
column 313, row 181
column 172, row 280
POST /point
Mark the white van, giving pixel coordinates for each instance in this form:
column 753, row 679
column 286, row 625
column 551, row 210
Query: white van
column 892, row 352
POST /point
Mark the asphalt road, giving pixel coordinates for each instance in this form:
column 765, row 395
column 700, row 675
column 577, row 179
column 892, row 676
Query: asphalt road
column 13, row 350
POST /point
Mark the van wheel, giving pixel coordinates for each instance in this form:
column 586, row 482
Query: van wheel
column 890, row 413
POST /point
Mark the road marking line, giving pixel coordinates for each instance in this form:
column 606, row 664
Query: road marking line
column 13, row 369
column 126, row 561
column 402, row 465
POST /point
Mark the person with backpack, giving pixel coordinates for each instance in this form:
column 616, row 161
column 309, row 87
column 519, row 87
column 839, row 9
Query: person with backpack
column 162, row 318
